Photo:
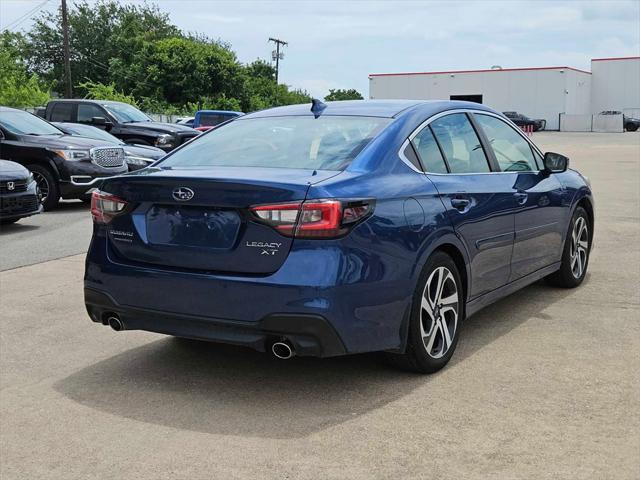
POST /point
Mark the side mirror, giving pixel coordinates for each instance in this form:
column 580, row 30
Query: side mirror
column 101, row 122
column 555, row 163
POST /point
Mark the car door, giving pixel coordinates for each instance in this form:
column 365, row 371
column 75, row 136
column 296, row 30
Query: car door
column 541, row 213
column 479, row 203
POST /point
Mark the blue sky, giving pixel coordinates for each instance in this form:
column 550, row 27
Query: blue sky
column 336, row 44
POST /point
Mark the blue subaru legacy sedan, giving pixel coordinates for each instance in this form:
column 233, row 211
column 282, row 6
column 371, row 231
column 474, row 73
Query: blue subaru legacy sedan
column 337, row 228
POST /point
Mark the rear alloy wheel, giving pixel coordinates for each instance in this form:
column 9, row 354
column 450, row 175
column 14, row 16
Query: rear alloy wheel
column 47, row 186
column 575, row 256
column 435, row 318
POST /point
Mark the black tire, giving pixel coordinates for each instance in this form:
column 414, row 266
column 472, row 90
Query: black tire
column 8, row 221
column 417, row 358
column 50, row 192
column 632, row 128
column 570, row 274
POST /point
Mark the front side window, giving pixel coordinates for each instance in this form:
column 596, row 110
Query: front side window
column 512, row 152
column 23, row 123
column 460, row 144
column 427, row 148
column 87, row 111
column 324, row 143
column 62, row 112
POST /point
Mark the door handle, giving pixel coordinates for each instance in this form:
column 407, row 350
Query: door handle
column 460, row 203
column 521, row 197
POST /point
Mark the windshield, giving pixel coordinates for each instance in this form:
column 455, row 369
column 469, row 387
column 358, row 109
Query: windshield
column 126, row 113
column 325, row 143
column 23, row 123
column 91, row 132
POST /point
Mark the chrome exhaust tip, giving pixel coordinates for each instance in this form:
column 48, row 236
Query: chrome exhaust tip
column 282, row 350
column 114, row 322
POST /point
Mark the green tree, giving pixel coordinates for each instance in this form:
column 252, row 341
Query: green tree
column 100, row 34
column 133, row 50
column 17, row 87
column 340, row 94
column 100, row 91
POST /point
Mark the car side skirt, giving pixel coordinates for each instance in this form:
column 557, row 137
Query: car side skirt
column 479, row 303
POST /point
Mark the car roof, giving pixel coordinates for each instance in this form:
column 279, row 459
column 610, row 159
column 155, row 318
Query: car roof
column 220, row 112
column 9, row 109
column 87, row 100
column 368, row 108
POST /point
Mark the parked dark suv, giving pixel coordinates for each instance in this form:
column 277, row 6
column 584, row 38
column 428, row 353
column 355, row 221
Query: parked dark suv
column 121, row 120
column 524, row 121
column 63, row 166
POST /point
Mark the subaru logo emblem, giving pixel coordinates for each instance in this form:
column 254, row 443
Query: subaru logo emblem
column 183, row 194
column 11, row 186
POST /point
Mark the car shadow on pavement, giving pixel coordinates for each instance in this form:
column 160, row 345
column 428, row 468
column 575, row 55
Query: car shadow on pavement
column 222, row 389
column 16, row 228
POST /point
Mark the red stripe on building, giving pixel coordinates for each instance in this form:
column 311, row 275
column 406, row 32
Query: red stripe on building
column 479, row 71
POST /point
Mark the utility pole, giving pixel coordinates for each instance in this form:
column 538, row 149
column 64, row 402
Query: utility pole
column 276, row 55
column 65, row 46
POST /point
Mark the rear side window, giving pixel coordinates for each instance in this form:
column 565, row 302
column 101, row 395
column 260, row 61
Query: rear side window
column 427, row 148
column 211, row 120
column 324, row 143
column 87, row 111
column 62, row 112
column 460, row 144
column 512, row 152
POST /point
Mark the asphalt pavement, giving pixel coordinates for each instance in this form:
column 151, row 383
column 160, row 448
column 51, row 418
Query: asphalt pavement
column 544, row 384
column 47, row 236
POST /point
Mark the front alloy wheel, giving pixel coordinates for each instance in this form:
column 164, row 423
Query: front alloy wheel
column 575, row 256
column 579, row 247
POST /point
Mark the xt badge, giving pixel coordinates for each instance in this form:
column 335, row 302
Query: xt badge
column 266, row 248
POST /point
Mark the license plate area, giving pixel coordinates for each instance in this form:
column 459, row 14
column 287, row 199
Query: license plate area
column 192, row 226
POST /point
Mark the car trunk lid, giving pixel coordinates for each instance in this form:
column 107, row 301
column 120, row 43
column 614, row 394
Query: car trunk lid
column 199, row 219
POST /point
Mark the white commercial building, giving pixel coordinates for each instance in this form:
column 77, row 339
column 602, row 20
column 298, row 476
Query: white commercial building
column 543, row 92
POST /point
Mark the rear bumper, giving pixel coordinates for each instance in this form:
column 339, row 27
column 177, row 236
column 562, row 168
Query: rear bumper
column 334, row 300
column 310, row 335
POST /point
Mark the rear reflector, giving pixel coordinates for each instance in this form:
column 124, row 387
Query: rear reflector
column 105, row 206
column 314, row 218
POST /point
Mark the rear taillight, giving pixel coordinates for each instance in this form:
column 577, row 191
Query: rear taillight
column 314, row 218
column 105, row 206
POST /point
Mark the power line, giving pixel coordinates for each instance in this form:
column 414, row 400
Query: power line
column 276, row 55
column 65, row 46
column 26, row 16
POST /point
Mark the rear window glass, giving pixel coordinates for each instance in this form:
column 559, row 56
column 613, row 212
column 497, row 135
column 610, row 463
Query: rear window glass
column 324, row 143
column 211, row 120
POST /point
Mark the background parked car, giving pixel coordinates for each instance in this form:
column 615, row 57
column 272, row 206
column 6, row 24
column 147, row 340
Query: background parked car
column 524, row 121
column 62, row 165
column 121, row 120
column 207, row 119
column 19, row 195
column 136, row 156
column 630, row 124
column 187, row 121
